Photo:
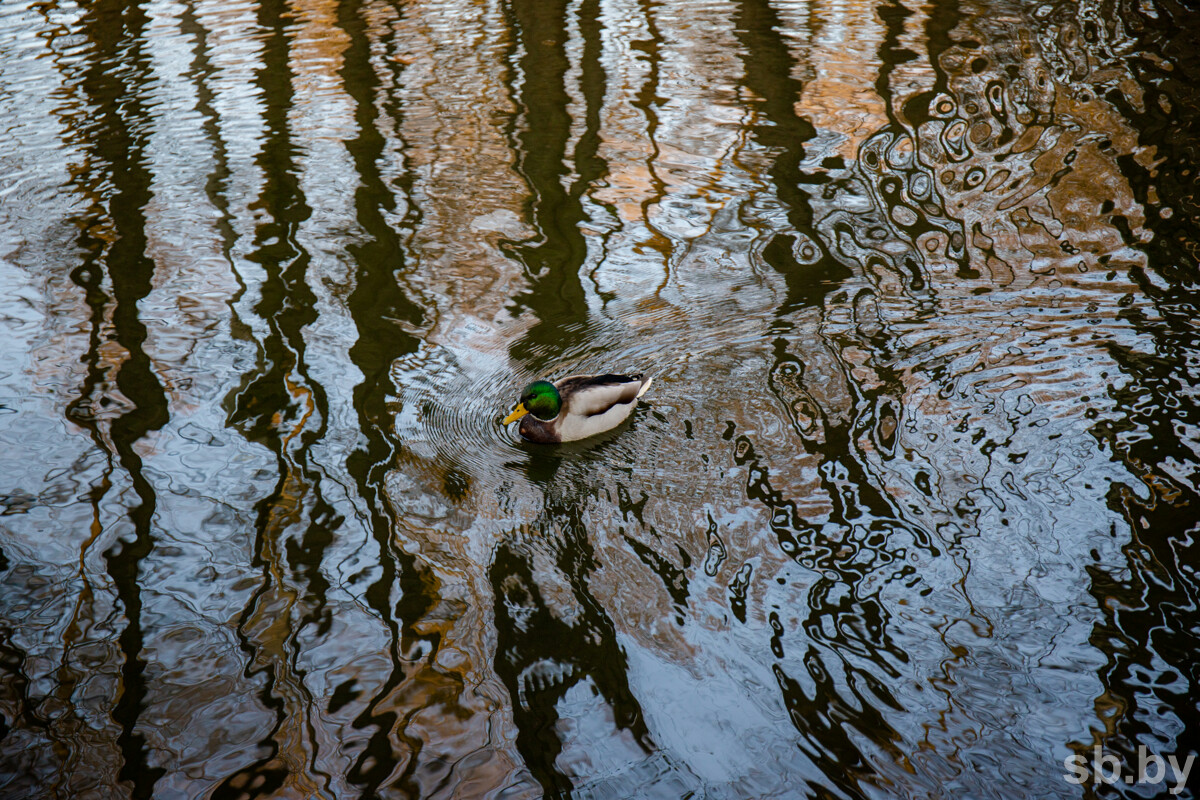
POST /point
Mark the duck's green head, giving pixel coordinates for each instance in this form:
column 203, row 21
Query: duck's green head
column 541, row 399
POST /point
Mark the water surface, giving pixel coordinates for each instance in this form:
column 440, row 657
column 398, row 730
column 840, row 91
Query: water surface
column 912, row 509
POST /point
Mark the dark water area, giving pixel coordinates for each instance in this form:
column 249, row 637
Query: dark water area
column 912, row 509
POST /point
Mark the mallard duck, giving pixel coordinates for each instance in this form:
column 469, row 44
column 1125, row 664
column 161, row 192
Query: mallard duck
column 576, row 407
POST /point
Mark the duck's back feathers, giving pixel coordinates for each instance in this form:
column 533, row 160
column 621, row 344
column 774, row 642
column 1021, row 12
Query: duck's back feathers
column 592, row 395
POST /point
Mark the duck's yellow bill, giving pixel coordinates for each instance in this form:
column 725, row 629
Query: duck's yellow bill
column 517, row 413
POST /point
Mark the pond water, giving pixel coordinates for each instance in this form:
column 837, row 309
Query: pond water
column 911, row 510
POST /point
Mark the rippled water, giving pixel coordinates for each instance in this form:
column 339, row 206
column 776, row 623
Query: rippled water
column 912, row 509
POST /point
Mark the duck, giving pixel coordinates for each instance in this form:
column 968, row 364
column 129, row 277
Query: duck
column 576, row 407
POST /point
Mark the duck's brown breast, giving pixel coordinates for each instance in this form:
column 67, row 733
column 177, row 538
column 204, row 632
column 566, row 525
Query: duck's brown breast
column 535, row 430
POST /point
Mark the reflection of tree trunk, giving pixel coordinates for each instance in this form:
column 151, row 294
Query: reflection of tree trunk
column 553, row 635
column 277, row 615
column 279, row 405
column 376, row 303
column 117, row 153
column 553, row 261
column 1137, row 63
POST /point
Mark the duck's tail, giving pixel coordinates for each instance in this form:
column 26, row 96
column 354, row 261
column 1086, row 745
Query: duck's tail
column 645, row 387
